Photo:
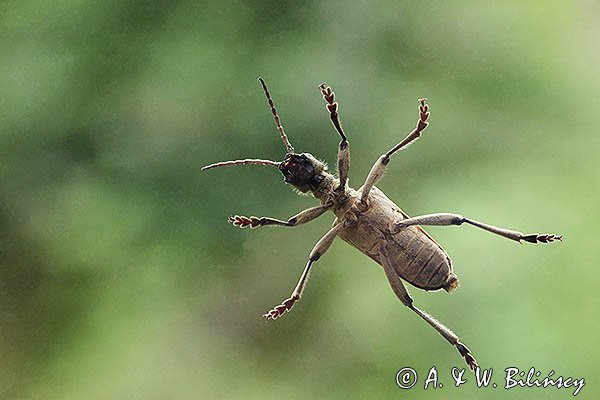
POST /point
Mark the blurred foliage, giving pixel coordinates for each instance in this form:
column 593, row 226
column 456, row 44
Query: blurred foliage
column 119, row 277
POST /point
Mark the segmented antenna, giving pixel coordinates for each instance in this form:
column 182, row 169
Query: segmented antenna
column 242, row 162
column 288, row 145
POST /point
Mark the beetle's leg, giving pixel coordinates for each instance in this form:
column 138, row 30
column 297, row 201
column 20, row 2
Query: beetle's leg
column 380, row 165
column 301, row 218
column 343, row 160
column 319, row 249
column 444, row 219
column 402, row 293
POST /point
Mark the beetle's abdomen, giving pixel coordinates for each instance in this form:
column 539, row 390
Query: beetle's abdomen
column 419, row 260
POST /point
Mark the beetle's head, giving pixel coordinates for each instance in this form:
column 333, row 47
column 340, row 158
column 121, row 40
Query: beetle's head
column 300, row 170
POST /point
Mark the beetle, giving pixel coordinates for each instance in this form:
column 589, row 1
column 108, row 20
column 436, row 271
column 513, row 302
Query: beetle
column 368, row 220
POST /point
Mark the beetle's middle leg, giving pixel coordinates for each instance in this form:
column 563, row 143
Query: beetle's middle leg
column 298, row 219
column 343, row 160
column 381, row 164
column 445, row 219
column 402, row 293
column 320, row 248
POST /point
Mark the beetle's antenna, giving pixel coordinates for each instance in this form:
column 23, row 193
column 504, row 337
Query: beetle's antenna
column 288, row 146
column 242, row 162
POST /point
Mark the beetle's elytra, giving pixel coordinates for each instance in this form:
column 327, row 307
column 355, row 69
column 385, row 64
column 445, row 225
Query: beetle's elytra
column 369, row 221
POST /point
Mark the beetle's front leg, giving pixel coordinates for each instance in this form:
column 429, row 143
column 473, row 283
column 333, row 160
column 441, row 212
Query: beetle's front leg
column 298, row 219
column 343, row 159
column 320, row 248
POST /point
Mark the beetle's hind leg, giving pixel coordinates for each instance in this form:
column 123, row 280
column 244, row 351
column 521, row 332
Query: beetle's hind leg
column 445, row 219
column 320, row 248
column 450, row 336
column 402, row 293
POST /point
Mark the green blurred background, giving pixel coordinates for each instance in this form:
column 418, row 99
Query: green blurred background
column 120, row 278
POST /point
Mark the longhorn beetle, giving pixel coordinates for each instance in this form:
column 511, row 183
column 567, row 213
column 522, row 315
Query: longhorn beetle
column 369, row 221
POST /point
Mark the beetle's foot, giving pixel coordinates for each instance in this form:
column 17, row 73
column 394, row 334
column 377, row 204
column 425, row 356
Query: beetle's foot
column 423, row 115
column 242, row 222
column 279, row 310
column 543, row 238
column 466, row 354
